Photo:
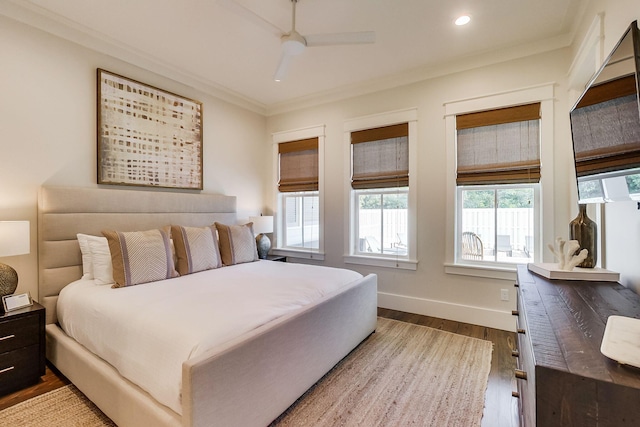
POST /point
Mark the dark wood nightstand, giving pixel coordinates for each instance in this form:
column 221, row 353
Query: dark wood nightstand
column 22, row 348
column 280, row 258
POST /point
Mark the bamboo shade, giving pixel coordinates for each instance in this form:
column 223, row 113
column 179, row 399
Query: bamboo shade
column 499, row 146
column 380, row 157
column 606, row 128
column 298, row 165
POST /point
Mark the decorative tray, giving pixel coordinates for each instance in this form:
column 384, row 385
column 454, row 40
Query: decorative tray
column 621, row 340
column 551, row 271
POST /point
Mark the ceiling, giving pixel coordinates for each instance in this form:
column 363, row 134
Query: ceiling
column 208, row 44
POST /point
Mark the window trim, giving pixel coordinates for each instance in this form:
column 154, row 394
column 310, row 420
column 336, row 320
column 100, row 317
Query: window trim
column 317, row 131
column 544, row 94
column 408, row 262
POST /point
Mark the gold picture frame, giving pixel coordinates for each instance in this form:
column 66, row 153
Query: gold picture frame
column 147, row 136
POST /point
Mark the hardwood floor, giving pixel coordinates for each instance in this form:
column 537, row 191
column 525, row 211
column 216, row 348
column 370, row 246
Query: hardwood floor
column 501, row 409
column 51, row 380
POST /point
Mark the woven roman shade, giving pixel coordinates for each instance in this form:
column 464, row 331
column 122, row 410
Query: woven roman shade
column 380, row 157
column 499, row 146
column 298, row 165
column 606, row 128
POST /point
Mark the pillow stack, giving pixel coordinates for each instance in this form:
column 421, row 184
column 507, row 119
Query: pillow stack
column 131, row 258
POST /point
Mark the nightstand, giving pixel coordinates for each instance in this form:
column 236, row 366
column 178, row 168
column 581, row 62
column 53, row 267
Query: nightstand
column 280, row 258
column 22, row 348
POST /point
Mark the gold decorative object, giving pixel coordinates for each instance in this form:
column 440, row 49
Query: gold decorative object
column 8, row 280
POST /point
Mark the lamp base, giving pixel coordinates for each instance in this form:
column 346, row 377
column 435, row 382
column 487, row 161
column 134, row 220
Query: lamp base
column 8, row 280
column 264, row 244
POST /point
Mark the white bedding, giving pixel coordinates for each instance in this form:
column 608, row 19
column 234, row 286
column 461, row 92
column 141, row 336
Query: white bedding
column 147, row 331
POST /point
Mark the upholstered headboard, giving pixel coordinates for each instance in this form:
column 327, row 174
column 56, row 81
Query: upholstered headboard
column 65, row 211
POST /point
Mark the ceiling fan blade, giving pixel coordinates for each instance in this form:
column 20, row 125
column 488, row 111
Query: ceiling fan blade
column 283, row 66
column 251, row 16
column 362, row 37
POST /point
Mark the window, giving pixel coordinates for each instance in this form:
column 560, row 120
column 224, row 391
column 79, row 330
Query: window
column 381, row 192
column 298, row 194
column 302, row 220
column 382, row 221
column 497, row 222
column 498, row 171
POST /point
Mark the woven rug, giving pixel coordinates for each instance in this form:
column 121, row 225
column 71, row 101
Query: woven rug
column 65, row 406
column 402, row 375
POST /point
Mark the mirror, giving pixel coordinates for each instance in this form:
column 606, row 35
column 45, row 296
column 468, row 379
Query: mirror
column 605, row 127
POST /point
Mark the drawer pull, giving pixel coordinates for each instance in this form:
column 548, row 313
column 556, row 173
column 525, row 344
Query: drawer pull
column 521, row 331
column 521, row 375
column 7, row 337
column 515, row 313
column 2, row 371
column 515, row 353
column 515, row 394
column 516, row 285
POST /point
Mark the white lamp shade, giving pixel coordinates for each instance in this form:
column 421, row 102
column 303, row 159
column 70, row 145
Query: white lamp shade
column 14, row 238
column 262, row 224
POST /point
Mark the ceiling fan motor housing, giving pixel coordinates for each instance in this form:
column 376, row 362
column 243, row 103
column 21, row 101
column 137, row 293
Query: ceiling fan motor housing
column 293, row 43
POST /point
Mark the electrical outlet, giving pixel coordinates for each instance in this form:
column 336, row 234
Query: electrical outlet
column 504, row 294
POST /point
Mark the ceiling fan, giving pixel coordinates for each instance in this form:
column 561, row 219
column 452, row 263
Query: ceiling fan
column 294, row 43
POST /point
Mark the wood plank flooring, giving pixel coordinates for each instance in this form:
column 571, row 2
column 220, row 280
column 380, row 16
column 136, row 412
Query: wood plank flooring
column 501, row 409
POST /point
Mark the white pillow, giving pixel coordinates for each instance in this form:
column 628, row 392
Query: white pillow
column 97, row 264
column 87, row 265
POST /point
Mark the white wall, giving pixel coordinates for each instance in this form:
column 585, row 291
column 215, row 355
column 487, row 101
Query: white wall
column 429, row 290
column 48, row 130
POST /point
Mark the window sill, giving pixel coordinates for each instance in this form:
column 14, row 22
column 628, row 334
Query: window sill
column 403, row 264
column 318, row 256
column 489, row 271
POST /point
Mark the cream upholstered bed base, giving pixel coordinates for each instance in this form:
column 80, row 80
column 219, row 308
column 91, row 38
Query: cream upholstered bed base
column 246, row 382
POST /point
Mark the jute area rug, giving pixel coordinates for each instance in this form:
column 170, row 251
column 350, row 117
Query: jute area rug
column 402, row 375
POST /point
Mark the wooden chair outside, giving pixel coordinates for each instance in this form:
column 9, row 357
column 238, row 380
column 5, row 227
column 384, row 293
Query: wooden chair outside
column 471, row 246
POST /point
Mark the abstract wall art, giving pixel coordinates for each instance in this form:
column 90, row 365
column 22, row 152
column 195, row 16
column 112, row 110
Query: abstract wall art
column 147, row 136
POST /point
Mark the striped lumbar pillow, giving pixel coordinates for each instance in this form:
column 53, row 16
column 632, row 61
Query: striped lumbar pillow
column 196, row 248
column 140, row 256
column 237, row 244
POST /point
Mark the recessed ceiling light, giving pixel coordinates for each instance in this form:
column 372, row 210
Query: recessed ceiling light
column 463, row 20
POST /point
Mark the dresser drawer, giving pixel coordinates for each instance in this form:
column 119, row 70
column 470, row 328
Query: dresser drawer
column 18, row 333
column 19, row 367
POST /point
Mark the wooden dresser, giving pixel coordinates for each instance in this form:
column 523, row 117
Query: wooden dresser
column 563, row 379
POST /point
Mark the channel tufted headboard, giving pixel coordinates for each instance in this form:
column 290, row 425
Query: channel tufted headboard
column 65, row 211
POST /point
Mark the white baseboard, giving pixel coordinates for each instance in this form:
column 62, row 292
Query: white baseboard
column 461, row 313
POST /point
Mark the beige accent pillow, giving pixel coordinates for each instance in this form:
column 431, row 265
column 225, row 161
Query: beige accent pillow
column 196, row 248
column 140, row 256
column 237, row 244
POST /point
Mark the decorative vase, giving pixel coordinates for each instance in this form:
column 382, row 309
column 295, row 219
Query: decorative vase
column 8, row 280
column 584, row 230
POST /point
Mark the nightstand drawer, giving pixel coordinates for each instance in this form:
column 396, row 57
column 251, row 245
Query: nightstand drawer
column 19, row 368
column 18, row 333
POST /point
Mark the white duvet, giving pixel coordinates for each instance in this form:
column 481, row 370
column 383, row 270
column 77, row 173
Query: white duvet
column 147, row 331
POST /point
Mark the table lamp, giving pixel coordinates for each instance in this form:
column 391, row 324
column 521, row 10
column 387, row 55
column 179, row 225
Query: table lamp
column 261, row 226
column 14, row 240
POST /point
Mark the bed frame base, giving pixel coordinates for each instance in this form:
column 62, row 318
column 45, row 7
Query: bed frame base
column 247, row 382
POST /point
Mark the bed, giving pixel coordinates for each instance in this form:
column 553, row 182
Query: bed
column 246, row 381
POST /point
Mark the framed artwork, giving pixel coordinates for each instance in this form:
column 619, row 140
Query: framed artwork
column 147, row 136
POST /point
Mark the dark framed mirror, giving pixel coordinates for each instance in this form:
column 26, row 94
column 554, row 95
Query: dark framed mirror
column 605, row 127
